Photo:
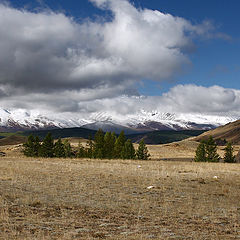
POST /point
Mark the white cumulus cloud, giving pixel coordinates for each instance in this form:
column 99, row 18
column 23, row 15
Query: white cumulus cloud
column 186, row 99
column 51, row 62
column 48, row 51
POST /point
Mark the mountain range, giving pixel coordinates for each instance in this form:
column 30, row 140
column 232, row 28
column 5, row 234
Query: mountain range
column 142, row 121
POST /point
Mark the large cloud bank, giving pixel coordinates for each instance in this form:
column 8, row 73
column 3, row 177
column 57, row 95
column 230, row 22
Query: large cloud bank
column 51, row 62
column 215, row 100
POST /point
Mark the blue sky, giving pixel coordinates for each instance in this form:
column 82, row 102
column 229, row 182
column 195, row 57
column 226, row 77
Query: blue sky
column 214, row 61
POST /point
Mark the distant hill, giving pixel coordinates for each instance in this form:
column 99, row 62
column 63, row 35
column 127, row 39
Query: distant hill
column 229, row 132
column 164, row 136
column 9, row 138
column 62, row 133
column 12, row 140
column 154, row 137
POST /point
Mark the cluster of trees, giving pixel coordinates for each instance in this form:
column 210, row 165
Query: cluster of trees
column 207, row 152
column 109, row 146
column 104, row 146
column 47, row 149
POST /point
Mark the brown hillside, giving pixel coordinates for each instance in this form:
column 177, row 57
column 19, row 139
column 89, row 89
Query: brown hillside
column 230, row 132
column 12, row 140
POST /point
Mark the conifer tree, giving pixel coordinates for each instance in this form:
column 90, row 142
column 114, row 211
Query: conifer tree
column 98, row 149
column 211, row 151
column 37, row 146
column 81, row 151
column 46, row 149
column 228, row 156
column 67, row 148
column 29, row 148
column 142, row 151
column 200, row 155
column 128, row 150
column 119, row 145
column 59, row 150
column 90, row 146
column 109, row 141
column 114, row 139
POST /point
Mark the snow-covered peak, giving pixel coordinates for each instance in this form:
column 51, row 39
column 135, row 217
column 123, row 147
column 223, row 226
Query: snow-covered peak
column 17, row 119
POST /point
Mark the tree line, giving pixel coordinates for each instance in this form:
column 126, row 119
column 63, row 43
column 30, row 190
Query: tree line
column 207, row 152
column 103, row 146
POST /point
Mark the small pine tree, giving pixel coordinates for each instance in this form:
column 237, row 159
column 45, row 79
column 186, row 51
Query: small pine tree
column 98, row 144
column 47, row 146
column 113, row 140
column 81, row 151
column 109, row 141
column 200, row 155
column 29, row 147
column 228, row 156
column 59, row 150
column 90, row 146
column 128, row 150
column 211, row 150
column 37, row 146
column 142, row 151
column 67, row 148
column 119, row 145
column 98, row 149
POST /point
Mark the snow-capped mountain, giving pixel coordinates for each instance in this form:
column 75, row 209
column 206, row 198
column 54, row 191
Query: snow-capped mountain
column 19, row 119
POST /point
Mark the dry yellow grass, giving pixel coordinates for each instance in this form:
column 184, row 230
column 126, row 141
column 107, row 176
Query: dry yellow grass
column 110, row 199
column 75, row 141
column 180, row 150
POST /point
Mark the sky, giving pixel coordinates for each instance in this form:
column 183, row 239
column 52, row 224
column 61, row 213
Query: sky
column 88, row 56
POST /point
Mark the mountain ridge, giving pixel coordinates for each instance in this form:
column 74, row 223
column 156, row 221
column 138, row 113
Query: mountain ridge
column 141, row 121
column 229, row 132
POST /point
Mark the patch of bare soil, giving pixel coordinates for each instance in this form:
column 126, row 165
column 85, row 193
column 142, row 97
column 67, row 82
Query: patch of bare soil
column 117, row 199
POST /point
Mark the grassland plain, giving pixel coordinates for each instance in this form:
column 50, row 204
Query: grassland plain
column 118, row 199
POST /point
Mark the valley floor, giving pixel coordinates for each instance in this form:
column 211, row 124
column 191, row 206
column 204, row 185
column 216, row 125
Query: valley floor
column 117, row 199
